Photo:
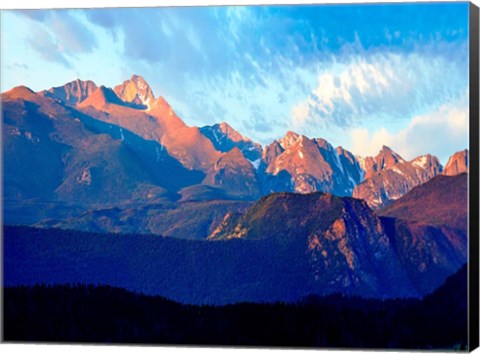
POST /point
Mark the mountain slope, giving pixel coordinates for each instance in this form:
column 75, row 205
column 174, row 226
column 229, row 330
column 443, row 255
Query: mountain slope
column 347, row 241
column 235, row 174
column 429, row 226
column 441, row 201
column 283, row 248
column 183, row 220
column 157, row 122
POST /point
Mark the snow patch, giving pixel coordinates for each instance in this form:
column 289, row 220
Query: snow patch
column 158, row 152
column 147, row 103
column 395, row 169
column 214, row 131
column 86, row 177
column 337, row 161
column 255, row 163
column 421, row 162
column 351, row 179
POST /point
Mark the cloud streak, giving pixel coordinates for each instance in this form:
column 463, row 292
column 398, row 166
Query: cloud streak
column 383, row 86
column 59, row 35
column 443, row 131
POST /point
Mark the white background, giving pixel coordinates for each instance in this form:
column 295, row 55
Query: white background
column 75, row 349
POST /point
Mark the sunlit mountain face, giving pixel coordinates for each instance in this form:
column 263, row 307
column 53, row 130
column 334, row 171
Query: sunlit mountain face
column 301, row 158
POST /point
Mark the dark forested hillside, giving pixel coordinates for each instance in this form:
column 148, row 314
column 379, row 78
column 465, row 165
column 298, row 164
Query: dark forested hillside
column 104, row 314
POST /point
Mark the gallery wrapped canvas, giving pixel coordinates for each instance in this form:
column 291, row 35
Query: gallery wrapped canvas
column 264, row 175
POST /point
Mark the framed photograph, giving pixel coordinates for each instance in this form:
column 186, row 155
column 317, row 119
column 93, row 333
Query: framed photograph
column 280, row 176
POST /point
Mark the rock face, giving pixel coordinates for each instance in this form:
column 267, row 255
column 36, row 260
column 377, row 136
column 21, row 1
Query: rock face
column 457, row 163
column 349, row 246
column 136, row 91
column 71, row 93
column 225, row 138
column 157, row 122
column 311, row 165
column 55, row 152
column 385, row 159
column 389, row 176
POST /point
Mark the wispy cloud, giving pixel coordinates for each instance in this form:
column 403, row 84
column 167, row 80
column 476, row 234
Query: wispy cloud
column 442, row 131
column 48, row 48
column 383, row 86
column 59, row 35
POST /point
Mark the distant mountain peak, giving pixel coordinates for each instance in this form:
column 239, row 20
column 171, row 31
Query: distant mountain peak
column 135, row 90
column 427, row 162
column 72, row 93
column 289, row 139
column 18, row 92
column 230, row 132
column 224, row 126
column 224, row 138
column 457, row 163
column 387, row 157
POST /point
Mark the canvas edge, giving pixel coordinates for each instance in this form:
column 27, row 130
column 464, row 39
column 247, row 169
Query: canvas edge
column 473, row 262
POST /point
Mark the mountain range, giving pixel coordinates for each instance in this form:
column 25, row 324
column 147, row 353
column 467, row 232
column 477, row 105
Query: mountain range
column 97, row 172
column 93, row 145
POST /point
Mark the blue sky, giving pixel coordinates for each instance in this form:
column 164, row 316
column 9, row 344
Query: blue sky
column 360, row 76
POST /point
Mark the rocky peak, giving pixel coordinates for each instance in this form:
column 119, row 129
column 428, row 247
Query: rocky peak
column 72, row 93
column 18, row 92
column 233, row 173
column 457, row 163
column 428, row 163
column 387, row 158
column 224, row 138
column 289, row 139
column 136, row 91
column 346, row 154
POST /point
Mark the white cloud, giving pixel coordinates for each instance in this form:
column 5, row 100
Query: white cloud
column 382, row 85
column 440, row 132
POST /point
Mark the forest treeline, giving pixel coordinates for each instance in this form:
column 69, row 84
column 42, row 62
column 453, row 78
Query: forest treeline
column 103, row 314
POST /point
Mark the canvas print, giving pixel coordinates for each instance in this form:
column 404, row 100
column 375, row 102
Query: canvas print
column 237, row 175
